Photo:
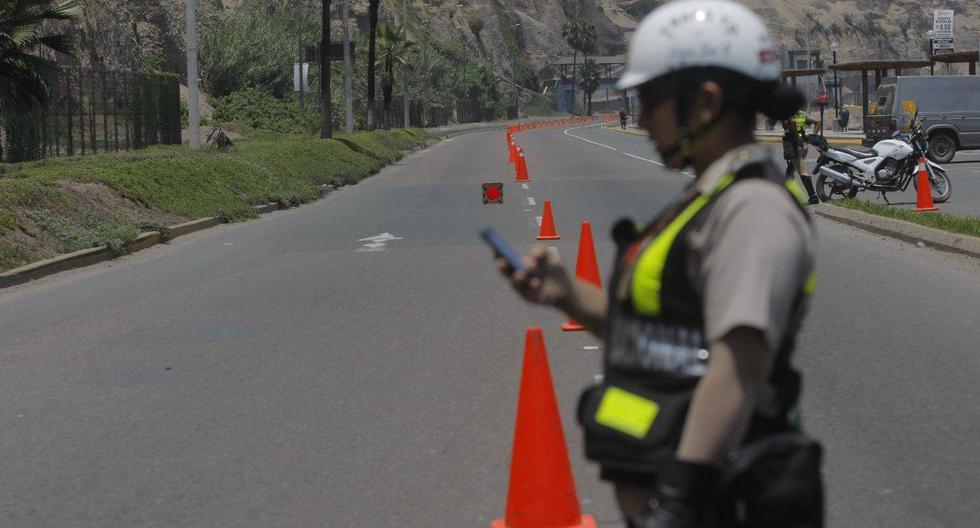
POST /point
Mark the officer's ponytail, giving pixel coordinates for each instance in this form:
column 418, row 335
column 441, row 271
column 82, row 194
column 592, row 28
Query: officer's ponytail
column 779, row 101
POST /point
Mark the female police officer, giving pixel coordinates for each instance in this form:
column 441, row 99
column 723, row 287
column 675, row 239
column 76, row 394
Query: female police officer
column 695, row 422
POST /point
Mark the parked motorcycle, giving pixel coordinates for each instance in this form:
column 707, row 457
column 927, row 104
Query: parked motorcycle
column 890, row 166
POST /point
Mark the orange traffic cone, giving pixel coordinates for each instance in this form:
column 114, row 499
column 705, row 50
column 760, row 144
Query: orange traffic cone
column 924, row 201
column 548, row 231
column 541, row 493
column 512, row 147
column 586, row 269
column 520, row 168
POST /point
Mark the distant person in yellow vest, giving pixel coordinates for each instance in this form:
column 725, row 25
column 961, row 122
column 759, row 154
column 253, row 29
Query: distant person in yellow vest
column 795, row 151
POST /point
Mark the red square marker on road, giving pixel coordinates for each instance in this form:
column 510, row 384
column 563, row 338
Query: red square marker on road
column 493, row 193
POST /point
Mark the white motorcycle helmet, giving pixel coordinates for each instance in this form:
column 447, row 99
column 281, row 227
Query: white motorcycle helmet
column 700, row 33
column 684, row 42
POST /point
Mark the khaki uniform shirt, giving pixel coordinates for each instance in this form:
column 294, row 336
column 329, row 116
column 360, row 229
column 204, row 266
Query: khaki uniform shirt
column 752, row 255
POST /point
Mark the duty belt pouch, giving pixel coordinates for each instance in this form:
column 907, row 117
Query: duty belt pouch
column 631, row 427
column 774, row 482
column 789, row 149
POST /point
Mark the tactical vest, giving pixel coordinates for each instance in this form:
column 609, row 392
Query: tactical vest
column 800, row 121
column 656, row 351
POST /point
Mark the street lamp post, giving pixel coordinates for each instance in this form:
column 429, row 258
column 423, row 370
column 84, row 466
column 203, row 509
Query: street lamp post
column 932, row 51
column 833, row 50
column 193, row 97
column 405, row 69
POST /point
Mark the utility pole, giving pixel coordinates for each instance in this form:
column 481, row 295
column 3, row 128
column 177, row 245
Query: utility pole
column 302, row 79
column 193, row 97
column 348, row 96
column 326, row 111
column 407, row 123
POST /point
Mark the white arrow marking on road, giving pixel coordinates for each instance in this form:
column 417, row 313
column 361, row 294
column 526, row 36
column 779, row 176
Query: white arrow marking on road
column 538, row 220
column 531, row 202
column 383, row 237
column 377, row 242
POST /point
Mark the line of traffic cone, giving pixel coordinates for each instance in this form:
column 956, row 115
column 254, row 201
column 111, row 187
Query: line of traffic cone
column 548, row 231
column 541, row 491
column 586, row 268
column 923, row 202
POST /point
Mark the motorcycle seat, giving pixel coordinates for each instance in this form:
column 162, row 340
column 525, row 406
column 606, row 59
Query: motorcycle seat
column 858, row 152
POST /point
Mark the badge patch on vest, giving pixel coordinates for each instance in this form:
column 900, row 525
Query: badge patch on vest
column 626, row 412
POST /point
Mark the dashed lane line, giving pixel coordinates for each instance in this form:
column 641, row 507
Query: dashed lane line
column 657, row 163
column 524, row 186
column 531, row 202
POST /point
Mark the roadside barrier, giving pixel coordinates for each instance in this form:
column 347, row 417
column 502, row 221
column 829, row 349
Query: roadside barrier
column 586, row 268
column 541, row 492
column 923, row 202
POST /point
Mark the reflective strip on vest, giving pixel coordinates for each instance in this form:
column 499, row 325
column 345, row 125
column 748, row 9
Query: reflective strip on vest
column 800, row 120
column 647, row 281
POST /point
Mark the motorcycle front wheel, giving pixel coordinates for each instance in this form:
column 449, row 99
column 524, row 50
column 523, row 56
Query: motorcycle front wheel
column 830, row 189
column 939, row 184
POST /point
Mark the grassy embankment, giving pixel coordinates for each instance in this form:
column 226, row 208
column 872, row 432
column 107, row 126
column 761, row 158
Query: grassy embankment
column 63, row 205
column 963, row 225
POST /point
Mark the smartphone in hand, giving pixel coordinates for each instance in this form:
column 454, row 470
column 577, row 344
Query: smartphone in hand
column 495, row 241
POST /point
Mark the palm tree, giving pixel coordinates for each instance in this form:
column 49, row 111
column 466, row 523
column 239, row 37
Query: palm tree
column 25, row 75
column 393, row 47
column 373, row 7
column 573, row 31
column 591, row 78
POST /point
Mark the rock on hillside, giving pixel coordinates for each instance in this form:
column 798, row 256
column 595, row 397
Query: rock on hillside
column 132, row 33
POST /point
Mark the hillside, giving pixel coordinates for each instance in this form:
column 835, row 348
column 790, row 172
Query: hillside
column 134, row 33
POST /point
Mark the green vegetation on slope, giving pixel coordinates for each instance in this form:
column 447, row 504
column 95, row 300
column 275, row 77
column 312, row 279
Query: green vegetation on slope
column 40, row 216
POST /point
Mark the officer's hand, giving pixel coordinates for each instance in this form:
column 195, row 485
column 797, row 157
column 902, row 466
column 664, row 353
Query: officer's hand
column 544, row 279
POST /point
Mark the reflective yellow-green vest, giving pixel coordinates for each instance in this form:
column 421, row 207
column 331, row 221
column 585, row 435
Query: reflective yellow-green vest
column 656, row 351
column 800, row 120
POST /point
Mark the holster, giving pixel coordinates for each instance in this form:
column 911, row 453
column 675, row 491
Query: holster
column 773, row 482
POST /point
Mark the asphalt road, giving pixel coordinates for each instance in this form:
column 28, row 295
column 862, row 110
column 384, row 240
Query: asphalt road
column 305, row 369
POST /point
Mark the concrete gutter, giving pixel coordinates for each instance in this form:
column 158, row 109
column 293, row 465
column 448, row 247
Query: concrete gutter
column 902, row 230
column 87, row 257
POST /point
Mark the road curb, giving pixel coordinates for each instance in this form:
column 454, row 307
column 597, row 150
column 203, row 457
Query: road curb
column 88, row 257
column 902, row 230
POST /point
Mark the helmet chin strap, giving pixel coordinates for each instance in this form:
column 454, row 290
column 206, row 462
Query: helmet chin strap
column 689, row 137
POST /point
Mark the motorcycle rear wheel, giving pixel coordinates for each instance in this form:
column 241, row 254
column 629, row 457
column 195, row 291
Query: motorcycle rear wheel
column 830, row 189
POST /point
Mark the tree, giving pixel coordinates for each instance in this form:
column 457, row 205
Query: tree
column 373, row 7
column 25, row 75
column 393, row 47
column 573, row 31
column 591, row 78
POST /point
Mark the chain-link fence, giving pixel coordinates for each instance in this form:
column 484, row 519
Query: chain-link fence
column 93, row 111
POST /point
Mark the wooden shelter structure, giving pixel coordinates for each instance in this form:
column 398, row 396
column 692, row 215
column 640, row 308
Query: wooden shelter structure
column 959, row 57
column 792, row 75
column 880, row 69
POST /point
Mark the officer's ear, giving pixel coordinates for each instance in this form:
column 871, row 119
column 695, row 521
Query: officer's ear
column 707, row 104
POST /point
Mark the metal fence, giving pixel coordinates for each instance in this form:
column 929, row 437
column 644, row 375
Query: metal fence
column 93, row 111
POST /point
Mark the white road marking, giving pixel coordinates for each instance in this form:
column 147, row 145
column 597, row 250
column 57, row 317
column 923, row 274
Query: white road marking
column 590, row 347
column 531, row 202
column 589, row 140
column 538, row 220
column 524, row 186
column 527, row 210
column 644, row 159
column 377, row 242
column 689, row 175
